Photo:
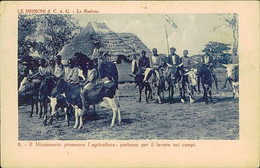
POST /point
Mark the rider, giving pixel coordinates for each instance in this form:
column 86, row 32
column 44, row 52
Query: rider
column 208, row 61
column 91, row 81
column 185, row 62
column 173, row 58
column 59, row 70
column 43, row 70
column 98, row 55
column 144, row 62
column 72, row 76
column 175, row 62
column 156, row 61
column 52, row 65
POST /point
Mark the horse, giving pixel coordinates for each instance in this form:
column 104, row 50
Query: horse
column 29, row 88
column 233, row 77
column 205, row 77
column 104, row 91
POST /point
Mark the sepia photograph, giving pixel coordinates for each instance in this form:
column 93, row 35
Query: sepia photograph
column 129, row 84
column 128, row 76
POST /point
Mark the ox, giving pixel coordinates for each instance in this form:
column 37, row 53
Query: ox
column 189, row 83
column 104, row 91
column 233, row 77
column 56, row 101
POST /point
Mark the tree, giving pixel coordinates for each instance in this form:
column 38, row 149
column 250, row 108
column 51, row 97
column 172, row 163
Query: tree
column 26, row 27
column 218, row 52
column 45, row 33
column 230, row 20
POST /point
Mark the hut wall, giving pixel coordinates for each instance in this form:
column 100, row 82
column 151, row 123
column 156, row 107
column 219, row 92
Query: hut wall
column 124, row 70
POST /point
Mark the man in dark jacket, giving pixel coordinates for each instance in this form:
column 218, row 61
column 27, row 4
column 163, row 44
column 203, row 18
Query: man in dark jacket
column 173, row 58
column 144, row 62
column 208, row 61
column 175, row 62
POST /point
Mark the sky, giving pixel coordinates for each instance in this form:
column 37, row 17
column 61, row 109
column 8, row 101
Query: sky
column 194, row 31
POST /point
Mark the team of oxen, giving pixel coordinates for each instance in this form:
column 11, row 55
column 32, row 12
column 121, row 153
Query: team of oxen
column 57, row 95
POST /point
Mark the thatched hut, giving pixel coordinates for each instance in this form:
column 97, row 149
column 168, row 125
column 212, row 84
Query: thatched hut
column 112, row 43
column 115, row 45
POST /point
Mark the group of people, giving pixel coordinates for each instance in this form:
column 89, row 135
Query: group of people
column 71, row 74
column 181, row 64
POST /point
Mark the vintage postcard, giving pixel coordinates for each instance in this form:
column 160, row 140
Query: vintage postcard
column 133, row 84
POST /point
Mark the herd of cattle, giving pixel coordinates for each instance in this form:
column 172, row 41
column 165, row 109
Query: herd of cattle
column 56, row 95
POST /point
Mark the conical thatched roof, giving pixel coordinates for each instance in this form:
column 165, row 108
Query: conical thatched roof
column 134, row 42
column 112, row 43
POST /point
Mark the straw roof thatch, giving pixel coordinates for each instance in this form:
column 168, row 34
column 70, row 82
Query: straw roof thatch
column 111, row 43
column 134, row 42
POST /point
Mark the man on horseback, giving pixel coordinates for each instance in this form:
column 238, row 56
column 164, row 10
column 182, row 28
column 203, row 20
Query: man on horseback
column 59, row 71
column 139, row 72
column 156, row 61
column 144, row 62
column 185, row 62
column 43, row 70
column 72, row 76
column 173, row 58
column 156, row 72
column 207, row 60
column 90, row 82
column 174, row 62
column 98, row 55
column 52, row 65
column 184, row 69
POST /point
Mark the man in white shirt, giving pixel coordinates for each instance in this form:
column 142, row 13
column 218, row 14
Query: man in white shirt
column 72, row 76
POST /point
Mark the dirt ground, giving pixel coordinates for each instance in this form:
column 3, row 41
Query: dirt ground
column 218, row 120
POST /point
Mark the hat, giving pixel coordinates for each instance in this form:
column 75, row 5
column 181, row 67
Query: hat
column 173, row 48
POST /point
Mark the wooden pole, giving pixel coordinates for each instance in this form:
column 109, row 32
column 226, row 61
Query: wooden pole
column 166, row 37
